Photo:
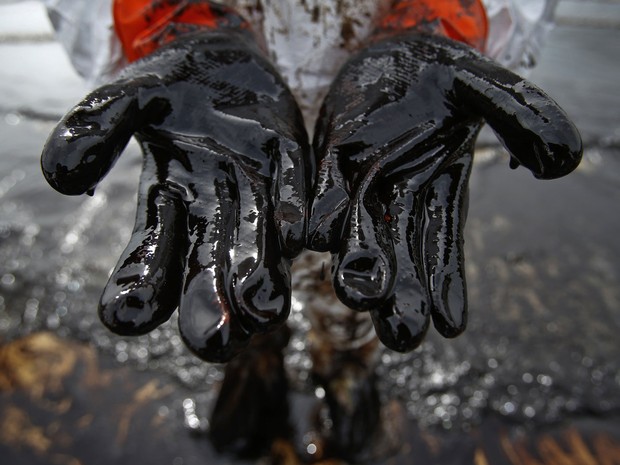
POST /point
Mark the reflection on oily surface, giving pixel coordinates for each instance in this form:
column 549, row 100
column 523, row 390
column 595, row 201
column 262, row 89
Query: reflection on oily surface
column 81, row 407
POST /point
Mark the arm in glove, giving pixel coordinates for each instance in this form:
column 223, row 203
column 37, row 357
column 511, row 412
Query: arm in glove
column 221, row 205
column 394, row 145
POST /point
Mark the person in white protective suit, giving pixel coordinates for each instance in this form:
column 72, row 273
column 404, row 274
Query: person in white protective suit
column 222, row 96
column 309, row 54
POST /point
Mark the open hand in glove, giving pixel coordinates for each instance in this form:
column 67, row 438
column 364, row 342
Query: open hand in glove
column 394, row 145
column 221, row 205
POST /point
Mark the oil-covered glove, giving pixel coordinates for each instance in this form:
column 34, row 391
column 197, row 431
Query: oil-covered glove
column 223, row 191
column 394, row 145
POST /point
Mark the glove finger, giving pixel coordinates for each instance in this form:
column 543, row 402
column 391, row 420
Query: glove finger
column 86, row 143
column 365, row 266
column 144, row 288
column 295, row 178
column 402, row 320
column 207, row 321
column 446, row 211
column 259, row 276
column 330, row 205
column 534, row 129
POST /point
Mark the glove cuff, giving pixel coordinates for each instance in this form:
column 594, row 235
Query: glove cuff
column 145, row 25
column 462, row 20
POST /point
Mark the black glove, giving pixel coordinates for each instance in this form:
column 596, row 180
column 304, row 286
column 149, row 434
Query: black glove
column 394, row 145
column 222, row 199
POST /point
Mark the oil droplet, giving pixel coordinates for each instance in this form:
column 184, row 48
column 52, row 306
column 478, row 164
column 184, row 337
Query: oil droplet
column 12, row 119
column 8, row 279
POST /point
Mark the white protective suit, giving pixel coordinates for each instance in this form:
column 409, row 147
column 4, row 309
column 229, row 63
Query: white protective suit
column 307, row 52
